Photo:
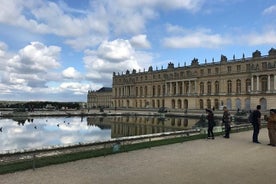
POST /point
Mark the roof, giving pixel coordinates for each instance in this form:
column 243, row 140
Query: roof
column 105, row 89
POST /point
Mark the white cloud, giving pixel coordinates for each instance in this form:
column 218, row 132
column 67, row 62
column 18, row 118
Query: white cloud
column 270, row 10
column 94, row 23
column 76, row 87
column 71, row 73
column 31, row 66
column 3, row 48
column 268, row 36
column 140, row 41
column 201, row 38
column 114, row 56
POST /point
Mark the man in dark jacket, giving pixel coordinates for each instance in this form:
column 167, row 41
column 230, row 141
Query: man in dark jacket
column 227, row 122
column 256, row 122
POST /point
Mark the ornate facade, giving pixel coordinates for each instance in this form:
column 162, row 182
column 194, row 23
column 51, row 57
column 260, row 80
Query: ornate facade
column 99, row 98
column 237, row 83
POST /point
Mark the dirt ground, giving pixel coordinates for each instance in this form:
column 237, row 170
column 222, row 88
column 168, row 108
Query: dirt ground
column 234, row 160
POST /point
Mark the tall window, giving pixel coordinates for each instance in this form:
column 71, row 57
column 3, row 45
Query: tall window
column 229, row 86
column 264, row 84
column 238, row 86
column 229, row 69
column 153, row 91
column 217, row 87
column 238, row 68
column 159, row 90
column 217, row 70
column 136, row 91
column 146, row 90
column 209, row 87
column 201, row 88
column 202, row 72
column 248, row 85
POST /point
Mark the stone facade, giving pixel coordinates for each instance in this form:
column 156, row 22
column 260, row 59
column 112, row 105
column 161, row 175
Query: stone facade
column 99, row 98
column 238, row 84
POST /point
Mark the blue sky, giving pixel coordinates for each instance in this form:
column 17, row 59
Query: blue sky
column 58, row 50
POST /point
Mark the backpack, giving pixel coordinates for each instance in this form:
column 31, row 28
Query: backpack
column 250, row 118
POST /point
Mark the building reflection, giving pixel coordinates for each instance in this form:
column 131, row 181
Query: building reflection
column 124, row 126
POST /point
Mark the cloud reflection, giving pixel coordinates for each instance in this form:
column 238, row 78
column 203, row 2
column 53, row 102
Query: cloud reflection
column 45, row 132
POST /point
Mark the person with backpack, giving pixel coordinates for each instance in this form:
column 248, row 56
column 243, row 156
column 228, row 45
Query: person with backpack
column 226, row 120
column 211, row 123
column 256, row 122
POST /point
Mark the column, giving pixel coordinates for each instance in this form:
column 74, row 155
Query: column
column 257, row 83
column 176, row 86
column 252, row 83
column 183, row 87
column 268, row 83
column 195, row 87
column 189, row 87
column 170, row 93
column 274, row 82
column 166, row 89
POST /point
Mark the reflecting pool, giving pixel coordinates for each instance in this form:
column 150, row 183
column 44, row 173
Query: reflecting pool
column 43, row 132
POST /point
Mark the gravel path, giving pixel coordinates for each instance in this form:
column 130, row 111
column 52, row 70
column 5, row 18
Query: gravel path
column 234, row 160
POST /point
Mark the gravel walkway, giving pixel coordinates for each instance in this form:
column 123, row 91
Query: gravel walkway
column 234, row 160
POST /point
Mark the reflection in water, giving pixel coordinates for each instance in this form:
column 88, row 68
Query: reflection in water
column 45, row 132
column 123, row 126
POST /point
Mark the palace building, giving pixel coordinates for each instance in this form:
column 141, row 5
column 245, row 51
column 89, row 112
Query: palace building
column 237, row 84
column 99, row 98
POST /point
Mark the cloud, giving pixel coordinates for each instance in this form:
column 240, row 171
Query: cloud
column 200, row 38
column 113, row 56
column 268, row 36
column 140, row 41
column 71, row 73
column 76, row 87
column 270, row 10
column 90, row 25
column 30, row 67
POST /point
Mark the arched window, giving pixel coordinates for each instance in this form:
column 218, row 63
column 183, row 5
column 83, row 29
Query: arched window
column 146, row 90
column 201, row 88
column 179, row 105
column 209, row 87
column 248, row 85
column 264, row 84
column 173, row 104
column 159, row 90
column 201, row 104
column 153, row 91
column 217, row 87
column 238, row 86
column 209, row 104
column 141, row 91
column 229, row 86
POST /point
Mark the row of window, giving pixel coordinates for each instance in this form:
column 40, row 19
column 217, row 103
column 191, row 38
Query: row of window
column 194, row 73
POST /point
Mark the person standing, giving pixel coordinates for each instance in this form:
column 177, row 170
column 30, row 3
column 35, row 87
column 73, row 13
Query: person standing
column 271, row 126
column 256, row 122
column 226, row 121
column 211, row 123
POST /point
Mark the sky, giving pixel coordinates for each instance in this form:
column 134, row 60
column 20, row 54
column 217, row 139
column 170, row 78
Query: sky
column 58, row 50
